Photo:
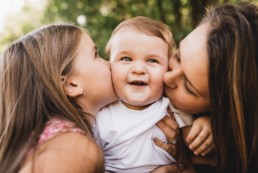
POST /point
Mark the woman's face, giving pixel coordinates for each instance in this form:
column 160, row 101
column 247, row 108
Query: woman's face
column 93, row 75
column 188, row 71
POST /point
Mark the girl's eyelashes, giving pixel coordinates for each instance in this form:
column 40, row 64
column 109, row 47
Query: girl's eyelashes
column 96, row 53
column 177, row 56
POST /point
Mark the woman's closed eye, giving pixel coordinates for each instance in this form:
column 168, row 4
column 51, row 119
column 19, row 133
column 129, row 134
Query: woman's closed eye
column 186, row 87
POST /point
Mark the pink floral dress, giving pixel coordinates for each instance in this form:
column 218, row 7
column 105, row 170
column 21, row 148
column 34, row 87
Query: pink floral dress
column 54, row 127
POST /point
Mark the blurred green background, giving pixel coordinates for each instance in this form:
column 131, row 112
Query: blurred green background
column 100, row 17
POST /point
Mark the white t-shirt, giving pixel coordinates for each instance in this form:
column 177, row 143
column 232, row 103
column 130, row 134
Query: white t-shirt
column 126, row 135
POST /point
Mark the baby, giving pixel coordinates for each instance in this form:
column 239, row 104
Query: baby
column 139, row 50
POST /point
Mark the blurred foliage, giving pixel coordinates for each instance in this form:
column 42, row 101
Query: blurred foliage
column 100, row 17
column 18, row 24
column 103, row 16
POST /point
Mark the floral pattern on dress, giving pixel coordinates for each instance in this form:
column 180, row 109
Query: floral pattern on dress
column 56, row 126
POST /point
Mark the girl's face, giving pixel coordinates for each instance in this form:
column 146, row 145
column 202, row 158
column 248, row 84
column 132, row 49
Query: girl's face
column 188, row 70
column 92, row 75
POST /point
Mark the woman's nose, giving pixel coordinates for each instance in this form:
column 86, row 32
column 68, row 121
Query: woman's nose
column 173, row 75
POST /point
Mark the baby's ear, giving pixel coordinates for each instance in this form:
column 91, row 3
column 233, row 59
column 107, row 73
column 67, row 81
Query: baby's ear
column 71, row 87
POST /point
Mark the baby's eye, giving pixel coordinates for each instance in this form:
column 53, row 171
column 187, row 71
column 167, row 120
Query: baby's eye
column 126, row 58
column 152, row 61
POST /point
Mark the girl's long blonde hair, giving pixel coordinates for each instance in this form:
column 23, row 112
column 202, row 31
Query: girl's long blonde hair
column 31, row 90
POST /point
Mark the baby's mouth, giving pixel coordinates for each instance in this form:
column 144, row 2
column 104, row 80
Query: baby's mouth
column 138, row 83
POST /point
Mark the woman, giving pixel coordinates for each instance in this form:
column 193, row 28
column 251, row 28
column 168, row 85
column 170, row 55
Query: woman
column 52, row 82
column 216, row 68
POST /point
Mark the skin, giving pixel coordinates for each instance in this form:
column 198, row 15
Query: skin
column 89, row 66
column 189, row 72
column 132, row 65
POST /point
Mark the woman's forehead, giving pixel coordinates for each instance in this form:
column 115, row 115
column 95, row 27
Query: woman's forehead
column 194, row 58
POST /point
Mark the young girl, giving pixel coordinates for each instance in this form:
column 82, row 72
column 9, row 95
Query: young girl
column 49, row 90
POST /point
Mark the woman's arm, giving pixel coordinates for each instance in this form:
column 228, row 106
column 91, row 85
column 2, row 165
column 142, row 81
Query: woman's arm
column 68, row 152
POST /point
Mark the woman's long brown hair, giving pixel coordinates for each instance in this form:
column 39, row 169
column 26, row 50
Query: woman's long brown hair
column 31, row 90
column 233, row 80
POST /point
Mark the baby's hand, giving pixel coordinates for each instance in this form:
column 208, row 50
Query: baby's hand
column 200, row 138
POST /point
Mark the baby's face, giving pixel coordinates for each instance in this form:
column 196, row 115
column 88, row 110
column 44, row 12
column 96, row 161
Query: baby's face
column 138, row 64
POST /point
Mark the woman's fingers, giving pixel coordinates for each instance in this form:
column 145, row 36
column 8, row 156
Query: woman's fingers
column 169, row 148
column 169, row 127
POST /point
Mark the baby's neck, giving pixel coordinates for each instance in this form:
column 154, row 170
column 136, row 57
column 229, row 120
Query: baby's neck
column 133, row 107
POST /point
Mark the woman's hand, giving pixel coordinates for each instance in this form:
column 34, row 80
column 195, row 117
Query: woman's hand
column 170, row 128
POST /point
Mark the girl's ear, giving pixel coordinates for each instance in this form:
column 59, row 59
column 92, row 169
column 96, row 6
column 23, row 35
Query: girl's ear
column 71, row 87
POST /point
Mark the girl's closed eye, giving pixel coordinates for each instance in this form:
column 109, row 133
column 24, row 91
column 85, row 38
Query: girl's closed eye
column 177, row 56
column 96, row 53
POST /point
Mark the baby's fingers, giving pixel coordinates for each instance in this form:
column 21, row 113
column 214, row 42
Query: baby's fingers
column 195, row 130
column 204, row 147
column 203, row 136
column 208, row 150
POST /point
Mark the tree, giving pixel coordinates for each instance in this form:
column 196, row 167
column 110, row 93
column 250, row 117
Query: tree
column 100, row 17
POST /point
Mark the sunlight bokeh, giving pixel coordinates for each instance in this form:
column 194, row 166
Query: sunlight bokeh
column 8, row 8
